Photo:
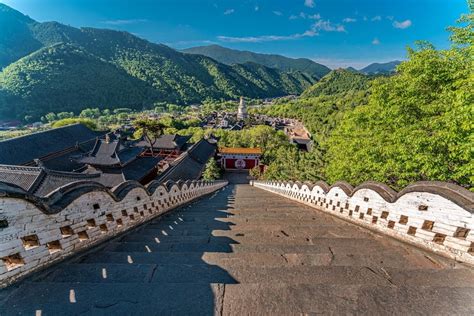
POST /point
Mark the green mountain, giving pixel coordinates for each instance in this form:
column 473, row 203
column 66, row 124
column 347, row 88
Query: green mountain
column 338, row 81
column 383, row 68
column 54, row 67
column 65, row 77
column 232, row 56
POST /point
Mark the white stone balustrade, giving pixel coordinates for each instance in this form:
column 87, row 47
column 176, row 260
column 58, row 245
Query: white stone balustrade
column 36, row 232
column 437, row 216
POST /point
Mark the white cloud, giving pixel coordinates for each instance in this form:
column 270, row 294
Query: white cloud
column 229, row 11
column 377, row 18
column 269, row 38
column 305, row 16
column 349, row 20
column 124, row 22
column 402, row 25
column 309, row 3
column 260, row 39
column 277, row 13
column 327, row 26
column 390, row 17
column 313, row 31
column 375, row 41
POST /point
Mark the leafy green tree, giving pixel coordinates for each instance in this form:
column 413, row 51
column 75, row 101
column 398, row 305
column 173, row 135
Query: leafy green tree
column 64, row 115
column 50, row 117
column 69, row 121
column 417, row 125
column 90, row 113
column 255, row 172
column 29, row 118
column 149, row 129
column 212, row 170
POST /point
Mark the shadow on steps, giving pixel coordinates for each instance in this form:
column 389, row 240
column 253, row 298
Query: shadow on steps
column 157, row 268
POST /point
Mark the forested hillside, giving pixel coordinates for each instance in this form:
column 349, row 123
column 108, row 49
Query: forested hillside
column 124, row 69
column 66, row 77
column 412, row 126
column 338, row 81
column 232, row 56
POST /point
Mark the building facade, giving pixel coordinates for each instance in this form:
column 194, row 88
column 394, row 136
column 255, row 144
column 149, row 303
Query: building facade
column 239, row 158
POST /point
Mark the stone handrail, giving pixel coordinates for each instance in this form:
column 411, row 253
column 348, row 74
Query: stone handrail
column 436, row 216
column 35, row 232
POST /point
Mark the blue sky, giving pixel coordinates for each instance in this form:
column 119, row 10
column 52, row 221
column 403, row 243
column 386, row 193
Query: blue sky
column 333, row 32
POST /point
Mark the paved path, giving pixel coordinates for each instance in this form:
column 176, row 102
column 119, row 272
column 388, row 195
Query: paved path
column 246, row 251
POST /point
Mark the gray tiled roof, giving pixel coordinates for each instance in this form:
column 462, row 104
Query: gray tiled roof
column 136, row 170
column 110, row 153
column 38, row 180
column 24, row 149
column 167, row 142
column 189, row 165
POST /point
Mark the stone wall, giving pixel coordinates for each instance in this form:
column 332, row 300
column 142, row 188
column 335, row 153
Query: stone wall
column 434, row 215
column 35, row 232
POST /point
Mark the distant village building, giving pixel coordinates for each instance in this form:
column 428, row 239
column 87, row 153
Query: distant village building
column 239, row 158
column 242, row 110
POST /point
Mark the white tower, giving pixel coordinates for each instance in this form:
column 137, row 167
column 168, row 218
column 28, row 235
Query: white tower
column 242, row 111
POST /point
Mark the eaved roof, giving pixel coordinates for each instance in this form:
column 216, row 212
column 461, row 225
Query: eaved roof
column 110, row 153
column 240, row 151
column 24, row 149
column 189, row 165
column 167, row 142
column 40, row 181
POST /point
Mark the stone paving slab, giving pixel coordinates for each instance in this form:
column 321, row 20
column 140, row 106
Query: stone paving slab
column 282, row 299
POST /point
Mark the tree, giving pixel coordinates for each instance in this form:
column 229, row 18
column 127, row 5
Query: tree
column 64, row 115
column 149, row 129
column 417, row 124
column 50, row 117
column 29, row 118
column 212, row 170
column 90, row 113
column 69, row 121
column 255, row 172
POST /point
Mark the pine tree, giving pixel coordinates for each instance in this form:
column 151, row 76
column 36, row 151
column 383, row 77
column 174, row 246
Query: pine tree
column 212, row 170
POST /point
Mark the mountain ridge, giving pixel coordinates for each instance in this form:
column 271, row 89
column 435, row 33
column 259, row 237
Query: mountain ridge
column 233, row 56
column 381, row 68
column 174, row 76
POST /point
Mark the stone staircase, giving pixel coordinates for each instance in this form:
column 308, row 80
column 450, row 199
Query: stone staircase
column 247, row 251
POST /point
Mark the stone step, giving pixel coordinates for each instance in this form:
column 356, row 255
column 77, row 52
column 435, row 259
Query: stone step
column 234, row 299
column 385, row 258
column 112, row 299
column 246, row 244
column 148, row 234
column 201, row 272
column 297, row 299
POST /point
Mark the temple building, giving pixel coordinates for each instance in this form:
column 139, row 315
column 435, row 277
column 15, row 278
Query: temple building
column 242, row 110
column 117, row 162
column 239, row 158
column 166, row 145
column 40, row 163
